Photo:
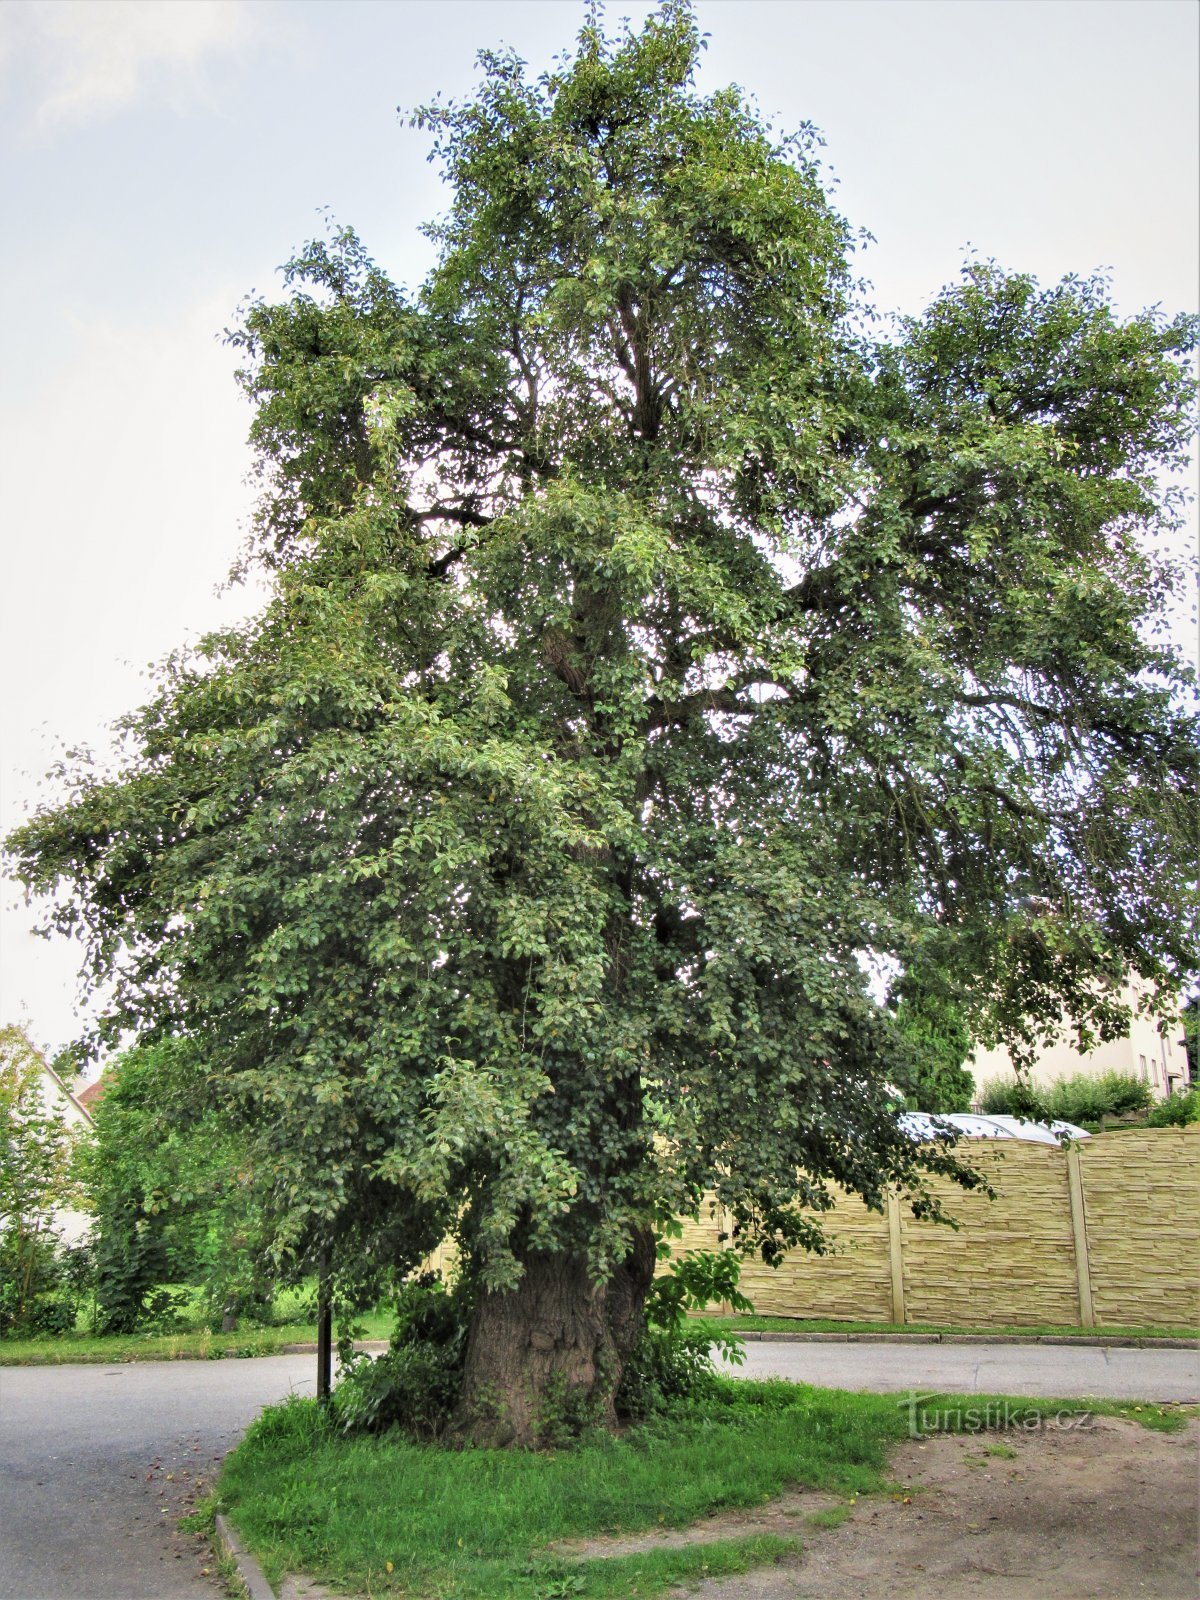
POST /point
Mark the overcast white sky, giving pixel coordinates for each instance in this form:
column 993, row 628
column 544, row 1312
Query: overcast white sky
column 159, row 158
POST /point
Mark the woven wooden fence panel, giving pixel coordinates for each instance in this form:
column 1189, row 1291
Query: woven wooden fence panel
column 1141, row 1192
column 1011, row 1260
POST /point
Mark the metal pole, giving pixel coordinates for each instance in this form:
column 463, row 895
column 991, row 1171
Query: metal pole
column 324, row 1330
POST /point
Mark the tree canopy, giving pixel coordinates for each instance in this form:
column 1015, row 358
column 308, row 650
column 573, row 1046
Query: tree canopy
column 655, row 635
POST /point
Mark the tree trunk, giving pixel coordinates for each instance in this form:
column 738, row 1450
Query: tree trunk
column 545, row 1359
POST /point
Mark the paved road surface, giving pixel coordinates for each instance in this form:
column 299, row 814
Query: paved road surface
column 1056, row 1371
column 87, row 1511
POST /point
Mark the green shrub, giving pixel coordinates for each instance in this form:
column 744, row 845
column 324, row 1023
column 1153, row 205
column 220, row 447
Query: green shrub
column 666, row 1366
column 1080, row 1099
column 132, row 1260
column 1176, row 1112
column 43, row 1283
column 1010, row 1097
column 1111, row 1094
column 414, row 1384
column 671, row 1361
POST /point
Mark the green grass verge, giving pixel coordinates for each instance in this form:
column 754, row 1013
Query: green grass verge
column 387, row 1517
column 189, row 1344
column 754, row 1324
column 199, row 1343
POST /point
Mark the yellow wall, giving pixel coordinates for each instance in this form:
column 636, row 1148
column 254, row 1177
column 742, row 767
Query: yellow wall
column 1158, row 1058
column 1013, row 1260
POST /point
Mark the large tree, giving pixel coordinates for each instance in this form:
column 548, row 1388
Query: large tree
column 653, row 641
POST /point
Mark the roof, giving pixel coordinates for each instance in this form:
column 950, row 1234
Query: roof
column 90, row 1097
column 76, row 1100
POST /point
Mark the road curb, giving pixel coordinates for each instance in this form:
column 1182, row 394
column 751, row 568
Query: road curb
column 248, row 1569
column 1100, row 1341
column 372, row 1345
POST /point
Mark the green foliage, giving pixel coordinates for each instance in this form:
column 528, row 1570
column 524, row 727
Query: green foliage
column 934, row 1039
column 39, row 1280
column 1191, row 1035
column 1081, row 1098
column 1176, row 1112
column 651, row 632
column 414, row 1384
column 1015, row 1097
column 167, row 1177
column 693, row 1282
column 673, row 1361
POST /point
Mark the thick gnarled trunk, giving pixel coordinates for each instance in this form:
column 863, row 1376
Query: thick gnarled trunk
column 546, row 1358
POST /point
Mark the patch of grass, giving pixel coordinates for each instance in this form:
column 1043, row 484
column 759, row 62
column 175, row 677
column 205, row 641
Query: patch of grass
column 1158, row 1418
column 832, row 1516
column 619, row 1577
column 754, row 1324
column 384, row 1516
column 475, row 1525
column 980, row 1413
column 191, row 1344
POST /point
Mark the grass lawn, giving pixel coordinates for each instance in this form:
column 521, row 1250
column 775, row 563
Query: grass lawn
column 385, row 1517
column 200, row 1343
column 189, row 1344
column 754, row 1324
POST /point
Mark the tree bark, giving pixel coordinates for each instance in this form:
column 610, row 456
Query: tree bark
column 545, row 1360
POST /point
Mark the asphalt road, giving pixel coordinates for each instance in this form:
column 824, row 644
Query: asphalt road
column 1057, row 1372
column 97, row 1463
column 87, row 1509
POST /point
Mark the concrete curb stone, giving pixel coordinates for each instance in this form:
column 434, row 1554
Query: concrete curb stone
column 249, row 1570
column 295, row 1586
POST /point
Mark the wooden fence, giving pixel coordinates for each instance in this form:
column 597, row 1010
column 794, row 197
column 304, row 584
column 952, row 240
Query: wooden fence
column 1103, row 1234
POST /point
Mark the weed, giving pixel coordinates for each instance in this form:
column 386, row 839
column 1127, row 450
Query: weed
column 831, row 1516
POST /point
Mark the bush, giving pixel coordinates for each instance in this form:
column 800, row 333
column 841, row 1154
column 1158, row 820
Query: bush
column 1080, row 1099
column 667, row 1366
column 43, row 1283
column 1010, row 1097
column 132, row 1260
column 672, row 1363
column 1112, row 1094
column 414, row 1384
column 1176, row 1112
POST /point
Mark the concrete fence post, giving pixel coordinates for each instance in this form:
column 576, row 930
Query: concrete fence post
column 1083, row 1270
column 895, row 1257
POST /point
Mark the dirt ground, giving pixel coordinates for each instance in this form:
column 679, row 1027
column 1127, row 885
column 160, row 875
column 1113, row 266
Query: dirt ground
column 1106, row 1510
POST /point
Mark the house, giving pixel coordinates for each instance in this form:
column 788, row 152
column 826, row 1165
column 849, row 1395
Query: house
column 1151, row 1050
column 70, row 1225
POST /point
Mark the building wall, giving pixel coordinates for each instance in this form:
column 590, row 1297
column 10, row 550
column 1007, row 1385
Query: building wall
column 70, row 1225
column 1158, row 1059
